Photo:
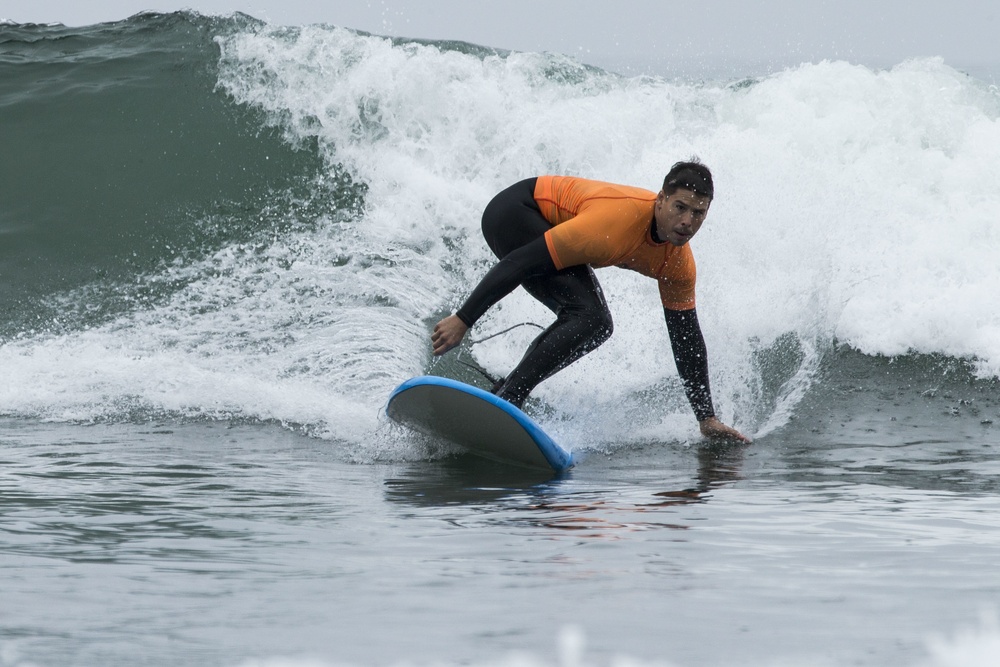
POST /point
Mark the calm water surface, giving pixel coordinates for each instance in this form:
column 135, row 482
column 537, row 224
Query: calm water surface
column 207, row 544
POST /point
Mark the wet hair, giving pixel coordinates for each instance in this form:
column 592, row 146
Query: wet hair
column 692, row 176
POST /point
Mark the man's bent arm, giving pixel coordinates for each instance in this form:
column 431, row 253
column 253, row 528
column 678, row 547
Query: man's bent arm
column 691, row 357
column 528, row 261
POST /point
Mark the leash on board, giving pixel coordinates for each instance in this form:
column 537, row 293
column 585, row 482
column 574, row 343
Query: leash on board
column 492, row 380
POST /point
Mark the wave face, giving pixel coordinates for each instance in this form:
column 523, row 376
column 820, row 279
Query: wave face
column 208, row 217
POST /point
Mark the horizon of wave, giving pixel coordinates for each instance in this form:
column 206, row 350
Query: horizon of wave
column 496, row 118
column 431, row 161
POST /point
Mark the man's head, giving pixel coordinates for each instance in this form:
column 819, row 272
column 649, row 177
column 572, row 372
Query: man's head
column 693, row 176
column 682, row 204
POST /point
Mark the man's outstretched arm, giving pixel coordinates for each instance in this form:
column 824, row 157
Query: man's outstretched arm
column 691, row 357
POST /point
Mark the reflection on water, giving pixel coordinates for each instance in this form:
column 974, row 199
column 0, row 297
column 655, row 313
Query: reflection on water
column 468, row 480
column 718, row 465
column 568, row 501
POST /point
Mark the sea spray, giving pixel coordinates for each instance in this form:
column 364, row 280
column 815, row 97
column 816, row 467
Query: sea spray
column 854, row 207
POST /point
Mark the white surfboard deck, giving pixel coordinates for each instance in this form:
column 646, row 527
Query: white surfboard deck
column 477, row 421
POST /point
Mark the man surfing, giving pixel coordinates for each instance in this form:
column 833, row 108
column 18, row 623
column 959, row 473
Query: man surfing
column 549, row 234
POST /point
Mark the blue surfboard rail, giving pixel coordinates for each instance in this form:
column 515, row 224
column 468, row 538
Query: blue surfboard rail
column 558, row 458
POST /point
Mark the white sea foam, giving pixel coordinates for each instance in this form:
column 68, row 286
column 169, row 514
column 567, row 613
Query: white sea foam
column 852, row 205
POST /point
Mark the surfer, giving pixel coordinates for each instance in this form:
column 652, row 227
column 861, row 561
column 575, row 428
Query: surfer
column 549, row 234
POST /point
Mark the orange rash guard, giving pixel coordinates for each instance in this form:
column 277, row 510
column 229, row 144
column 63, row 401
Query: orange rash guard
column 603, row 224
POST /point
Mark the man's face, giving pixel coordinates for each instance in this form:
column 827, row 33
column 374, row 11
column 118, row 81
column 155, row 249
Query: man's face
column 679, row 216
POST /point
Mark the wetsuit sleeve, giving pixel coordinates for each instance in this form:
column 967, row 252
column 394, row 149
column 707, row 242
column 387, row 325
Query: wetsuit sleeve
column 529, row 261
column 691, row 358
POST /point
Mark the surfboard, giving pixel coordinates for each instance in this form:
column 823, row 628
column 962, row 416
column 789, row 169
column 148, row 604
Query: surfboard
column 476, row 421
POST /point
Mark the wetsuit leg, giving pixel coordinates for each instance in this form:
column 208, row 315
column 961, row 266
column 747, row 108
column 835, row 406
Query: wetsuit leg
column 583, row 320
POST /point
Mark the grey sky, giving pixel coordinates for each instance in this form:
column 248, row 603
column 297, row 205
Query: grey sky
column 637, row 35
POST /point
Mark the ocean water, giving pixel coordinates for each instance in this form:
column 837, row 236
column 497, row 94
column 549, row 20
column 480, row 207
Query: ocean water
column 224, row 242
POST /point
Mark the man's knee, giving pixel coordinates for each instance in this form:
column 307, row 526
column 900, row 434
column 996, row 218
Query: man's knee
column 604, row 326
column 598, row 325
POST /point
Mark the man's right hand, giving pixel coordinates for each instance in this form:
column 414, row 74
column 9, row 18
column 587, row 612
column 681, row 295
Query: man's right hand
column 716, row 430
column 448, row 333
